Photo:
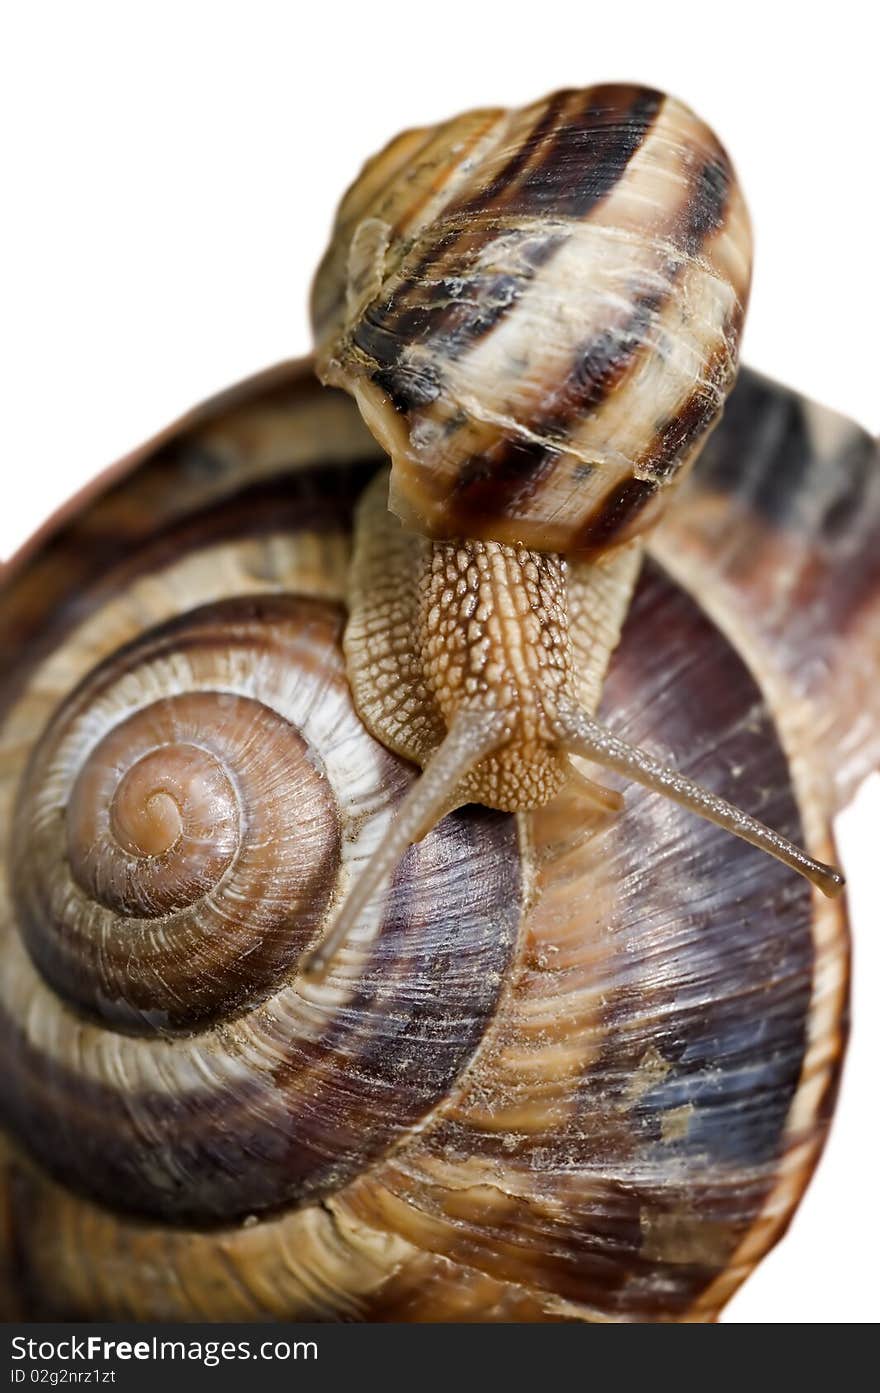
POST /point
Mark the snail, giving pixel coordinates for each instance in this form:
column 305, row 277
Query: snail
column 538, row 314
column 568, row 1061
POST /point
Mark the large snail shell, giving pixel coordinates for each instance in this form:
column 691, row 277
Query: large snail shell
column 185, row 822
column 538, row 312
column 549, row 1079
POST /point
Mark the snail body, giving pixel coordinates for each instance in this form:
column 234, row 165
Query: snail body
column 294, row 1031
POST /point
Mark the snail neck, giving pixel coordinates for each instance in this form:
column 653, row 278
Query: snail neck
column 492, row 637
column 438, row 630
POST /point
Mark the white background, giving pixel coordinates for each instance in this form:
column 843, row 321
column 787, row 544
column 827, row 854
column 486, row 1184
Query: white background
column 169, row 173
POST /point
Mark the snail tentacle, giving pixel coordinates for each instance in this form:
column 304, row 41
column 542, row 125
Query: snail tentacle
column 472, row 736
column 582, row 736
column 475, row 735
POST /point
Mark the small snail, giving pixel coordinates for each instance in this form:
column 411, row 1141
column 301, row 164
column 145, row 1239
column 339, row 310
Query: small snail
column 539, row 319
column 566, row 1058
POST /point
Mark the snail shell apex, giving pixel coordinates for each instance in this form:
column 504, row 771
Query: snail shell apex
column 538, row 312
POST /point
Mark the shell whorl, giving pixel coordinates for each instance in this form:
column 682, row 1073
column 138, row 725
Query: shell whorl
column 538, row 312
column 187, row 879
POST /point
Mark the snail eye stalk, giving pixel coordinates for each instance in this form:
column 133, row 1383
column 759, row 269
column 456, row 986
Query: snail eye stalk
column 582, row 736
column 472, row 736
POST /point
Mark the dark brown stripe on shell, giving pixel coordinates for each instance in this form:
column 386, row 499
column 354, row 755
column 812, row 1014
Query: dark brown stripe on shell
column 499, row 483
column 325, row 309
column 407, row 317
column 566, row 166
column 523, row 156
column 615, row 515
column 694, row 418
column 587, row 154
column 450, row 312
column 707, row 205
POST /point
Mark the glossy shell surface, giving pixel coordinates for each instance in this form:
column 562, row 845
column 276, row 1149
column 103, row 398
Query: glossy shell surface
column 538, row 312
column 554, row 1079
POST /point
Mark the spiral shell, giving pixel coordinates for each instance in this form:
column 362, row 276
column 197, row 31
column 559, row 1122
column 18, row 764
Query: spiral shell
column 538, row 313
column 549, row 1078
column 186, row 821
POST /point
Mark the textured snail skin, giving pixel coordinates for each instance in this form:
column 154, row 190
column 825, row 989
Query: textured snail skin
column 554, row 1078
column 438, row 628
column 538, row 312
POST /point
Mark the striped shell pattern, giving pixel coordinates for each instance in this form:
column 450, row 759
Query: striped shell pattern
column 557, row 1073
column 555, row 1078
column 538, row 312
